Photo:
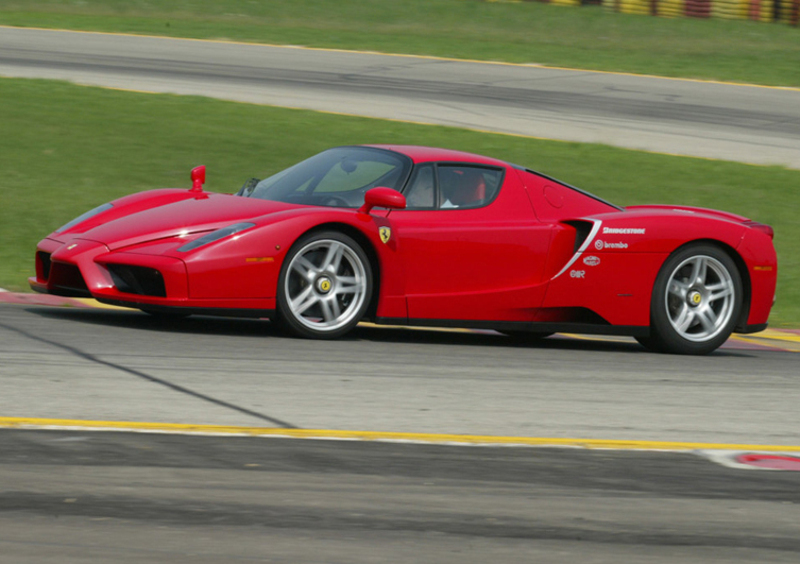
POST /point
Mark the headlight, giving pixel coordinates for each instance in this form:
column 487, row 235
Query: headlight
column 215, row 236
column 84, row 217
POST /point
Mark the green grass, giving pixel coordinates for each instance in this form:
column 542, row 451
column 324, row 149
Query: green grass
column 526, row 32
column 65, row 149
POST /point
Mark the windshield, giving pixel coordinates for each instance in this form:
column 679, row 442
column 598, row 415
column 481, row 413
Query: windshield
column 337, row 177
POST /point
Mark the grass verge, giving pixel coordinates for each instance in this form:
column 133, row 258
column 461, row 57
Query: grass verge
column 526, row 32
column 65, row 149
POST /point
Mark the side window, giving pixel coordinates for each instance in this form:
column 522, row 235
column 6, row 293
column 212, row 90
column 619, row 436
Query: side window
column 421, row 193
column 467, row 186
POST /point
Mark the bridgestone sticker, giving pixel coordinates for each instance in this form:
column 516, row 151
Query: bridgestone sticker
column 623, row 230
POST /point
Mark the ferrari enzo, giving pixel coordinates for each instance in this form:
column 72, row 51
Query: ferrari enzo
column 407, row 235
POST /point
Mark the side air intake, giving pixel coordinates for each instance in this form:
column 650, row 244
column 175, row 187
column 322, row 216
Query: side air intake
column 582, row 228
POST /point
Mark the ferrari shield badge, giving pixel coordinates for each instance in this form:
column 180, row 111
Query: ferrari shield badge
column 385, row 233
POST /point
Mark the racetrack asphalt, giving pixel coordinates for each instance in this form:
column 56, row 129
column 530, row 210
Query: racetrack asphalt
column 706, row 119
column 181, row 489
column 99, row 364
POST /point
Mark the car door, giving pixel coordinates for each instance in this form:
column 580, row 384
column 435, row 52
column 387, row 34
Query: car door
column 470, row 243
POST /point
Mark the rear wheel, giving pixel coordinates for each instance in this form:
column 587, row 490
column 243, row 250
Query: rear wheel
column 696, row 301
column 325, row 285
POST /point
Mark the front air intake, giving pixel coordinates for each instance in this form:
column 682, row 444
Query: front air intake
column 139, row 280
column 42, row 265
column 66, row 280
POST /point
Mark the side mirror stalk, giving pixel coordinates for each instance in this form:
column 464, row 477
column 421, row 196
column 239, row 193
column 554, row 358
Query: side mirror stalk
column 198, row 178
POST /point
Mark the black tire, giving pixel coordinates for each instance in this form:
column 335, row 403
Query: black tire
column 697, row 300
column 334, row 274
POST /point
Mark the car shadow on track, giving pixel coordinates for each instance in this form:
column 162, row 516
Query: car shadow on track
column 229, row 326
column 587, row 343
column 137, row 320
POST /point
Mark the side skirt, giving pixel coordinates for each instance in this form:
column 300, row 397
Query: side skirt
column 750, row 328
column 588, row 328
column 219, row 312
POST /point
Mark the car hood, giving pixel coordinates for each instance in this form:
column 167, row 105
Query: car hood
column 206, row 212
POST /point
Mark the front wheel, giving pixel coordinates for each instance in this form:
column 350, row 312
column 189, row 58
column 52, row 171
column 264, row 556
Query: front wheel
column 696, row 301
column 325, row 285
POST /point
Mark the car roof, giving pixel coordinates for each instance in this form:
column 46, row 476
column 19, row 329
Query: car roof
column 420, row 154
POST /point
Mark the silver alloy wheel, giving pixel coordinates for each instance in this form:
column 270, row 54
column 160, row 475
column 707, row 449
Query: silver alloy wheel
column 700, row 298
column 325, row 285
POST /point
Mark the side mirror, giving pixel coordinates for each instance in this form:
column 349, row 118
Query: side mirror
column 198, row 178
column 382, row 198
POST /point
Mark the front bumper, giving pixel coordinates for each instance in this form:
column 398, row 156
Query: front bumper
column 85, row 268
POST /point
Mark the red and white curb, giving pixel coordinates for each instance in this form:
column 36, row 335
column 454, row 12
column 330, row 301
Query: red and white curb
column 44, row 300
column 753, row 460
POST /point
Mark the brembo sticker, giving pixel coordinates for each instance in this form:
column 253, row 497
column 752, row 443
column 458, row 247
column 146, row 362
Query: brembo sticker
column 600, row 245
column 591, row 261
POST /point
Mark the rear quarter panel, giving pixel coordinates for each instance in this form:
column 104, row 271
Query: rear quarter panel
column 614, row 276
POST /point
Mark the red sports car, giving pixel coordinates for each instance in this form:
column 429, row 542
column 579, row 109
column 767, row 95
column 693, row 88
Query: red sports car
column 408, row 235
